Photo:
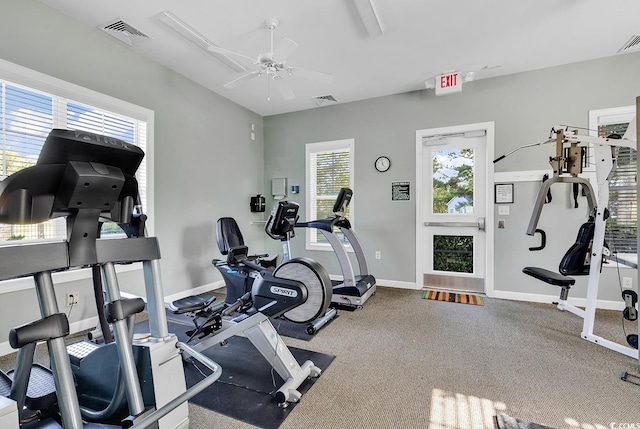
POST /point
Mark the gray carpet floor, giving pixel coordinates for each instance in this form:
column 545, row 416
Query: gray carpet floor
column 406, row 362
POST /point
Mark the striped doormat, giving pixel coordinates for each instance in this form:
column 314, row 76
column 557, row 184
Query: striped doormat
column 459, row 298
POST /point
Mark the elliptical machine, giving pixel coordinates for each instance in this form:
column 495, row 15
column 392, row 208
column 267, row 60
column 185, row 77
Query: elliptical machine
column 354, row 289
column 88, row 178
column 298, row 289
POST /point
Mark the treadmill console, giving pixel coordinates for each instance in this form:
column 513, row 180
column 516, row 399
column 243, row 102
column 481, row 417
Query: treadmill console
column 342, row 201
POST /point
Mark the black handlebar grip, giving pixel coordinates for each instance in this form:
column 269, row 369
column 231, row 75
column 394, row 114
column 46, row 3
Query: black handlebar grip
column 500, row 158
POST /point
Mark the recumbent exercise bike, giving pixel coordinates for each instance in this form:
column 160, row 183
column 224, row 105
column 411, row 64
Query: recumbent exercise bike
column 298, row 289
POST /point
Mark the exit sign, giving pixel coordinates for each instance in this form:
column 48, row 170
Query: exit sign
column 448, row 83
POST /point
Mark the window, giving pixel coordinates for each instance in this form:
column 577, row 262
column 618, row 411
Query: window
column 31, row 104
column 329, row 167
column 621, row 229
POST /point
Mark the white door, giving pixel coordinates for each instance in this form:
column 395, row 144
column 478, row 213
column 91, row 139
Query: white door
column 453, row 207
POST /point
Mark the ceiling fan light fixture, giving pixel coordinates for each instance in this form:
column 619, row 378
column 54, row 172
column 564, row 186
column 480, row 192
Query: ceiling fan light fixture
column 178, row 26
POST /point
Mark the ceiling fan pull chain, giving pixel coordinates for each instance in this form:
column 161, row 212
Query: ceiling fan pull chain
column 268, row 87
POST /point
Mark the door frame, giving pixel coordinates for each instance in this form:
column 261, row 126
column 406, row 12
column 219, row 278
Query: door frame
column 489, row 127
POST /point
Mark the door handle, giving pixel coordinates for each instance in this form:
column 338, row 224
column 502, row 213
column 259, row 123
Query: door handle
column 480, row 224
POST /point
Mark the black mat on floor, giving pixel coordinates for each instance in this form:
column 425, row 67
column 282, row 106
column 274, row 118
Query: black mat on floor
column 245, row 391
column 506, row 422
column 283, row 326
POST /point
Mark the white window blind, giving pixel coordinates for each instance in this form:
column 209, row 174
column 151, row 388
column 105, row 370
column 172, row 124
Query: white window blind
column 27, row 115
column 621, row 232
column 329, row 167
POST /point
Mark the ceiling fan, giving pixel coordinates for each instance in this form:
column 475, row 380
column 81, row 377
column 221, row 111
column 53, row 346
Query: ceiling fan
column 272, row 65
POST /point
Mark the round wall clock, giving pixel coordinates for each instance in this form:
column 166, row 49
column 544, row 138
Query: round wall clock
column 383, row 164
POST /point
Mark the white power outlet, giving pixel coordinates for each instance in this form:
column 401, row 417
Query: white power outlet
column 627, row 283
column 378, row 254
column 73, row 298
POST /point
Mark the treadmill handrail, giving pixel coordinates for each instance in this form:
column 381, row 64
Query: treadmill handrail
column 326, row 224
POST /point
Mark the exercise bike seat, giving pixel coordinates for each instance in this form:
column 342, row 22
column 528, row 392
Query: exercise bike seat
column 191, row 304
column 238, row 277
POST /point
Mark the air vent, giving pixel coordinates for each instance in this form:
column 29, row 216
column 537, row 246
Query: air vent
column 632, row 45
column 324, row 99
column 126, row 33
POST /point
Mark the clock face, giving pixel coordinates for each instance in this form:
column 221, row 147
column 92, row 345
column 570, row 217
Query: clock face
column 383, row 163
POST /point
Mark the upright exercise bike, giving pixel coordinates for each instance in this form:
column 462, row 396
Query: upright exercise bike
column 280, row 226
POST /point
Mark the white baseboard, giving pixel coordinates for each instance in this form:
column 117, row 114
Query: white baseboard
column 548, row 299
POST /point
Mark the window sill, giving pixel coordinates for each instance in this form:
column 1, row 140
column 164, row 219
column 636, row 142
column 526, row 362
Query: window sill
column 624, row 260
column 59, row 278
column 326, row 247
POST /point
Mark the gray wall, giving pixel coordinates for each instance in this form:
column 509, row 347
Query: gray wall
column 200, row 140
column 523, row 106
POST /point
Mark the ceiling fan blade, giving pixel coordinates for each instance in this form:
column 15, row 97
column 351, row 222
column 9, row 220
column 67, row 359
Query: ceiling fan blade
column 242, row 79
column 284, row 90
column 219, row 50
column 310, row 74
column 284, row 49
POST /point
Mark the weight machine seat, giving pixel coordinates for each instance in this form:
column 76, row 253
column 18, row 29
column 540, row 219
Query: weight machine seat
column 550, row 277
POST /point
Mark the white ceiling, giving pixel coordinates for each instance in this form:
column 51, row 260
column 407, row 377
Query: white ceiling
column 420, row 39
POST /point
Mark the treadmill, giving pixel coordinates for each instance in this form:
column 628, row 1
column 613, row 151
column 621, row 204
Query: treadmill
column 354, row 289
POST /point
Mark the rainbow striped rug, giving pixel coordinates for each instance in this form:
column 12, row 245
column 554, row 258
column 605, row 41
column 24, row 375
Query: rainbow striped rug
column 459, row 298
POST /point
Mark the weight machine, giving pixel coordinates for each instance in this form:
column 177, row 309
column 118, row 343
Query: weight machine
column 570, row 152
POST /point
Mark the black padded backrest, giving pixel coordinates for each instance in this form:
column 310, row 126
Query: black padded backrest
column 574, row 262
column 229, row 234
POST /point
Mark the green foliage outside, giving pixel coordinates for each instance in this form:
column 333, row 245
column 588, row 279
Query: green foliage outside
column 332, row 173
column 11, row 162
column 452, row 177
column 453, row 253
column 110, row 228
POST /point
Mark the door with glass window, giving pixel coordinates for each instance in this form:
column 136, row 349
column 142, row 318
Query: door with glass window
column 454, row 211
